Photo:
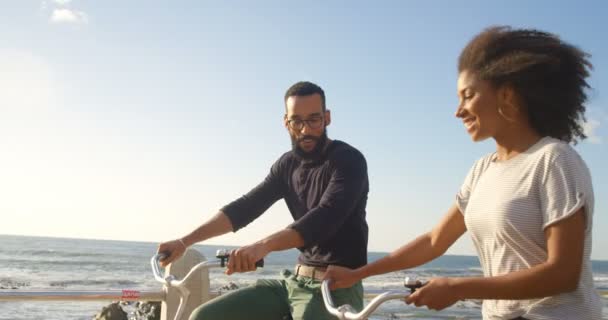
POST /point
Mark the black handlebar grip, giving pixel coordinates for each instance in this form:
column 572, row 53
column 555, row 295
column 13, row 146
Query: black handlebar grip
column 260, row 263
column 224, row 255
column 413, row 284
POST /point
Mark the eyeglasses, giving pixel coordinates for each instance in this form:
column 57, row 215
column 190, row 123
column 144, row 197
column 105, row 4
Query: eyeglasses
column 298, row 124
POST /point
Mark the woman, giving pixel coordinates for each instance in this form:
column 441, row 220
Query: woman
column 529, row 205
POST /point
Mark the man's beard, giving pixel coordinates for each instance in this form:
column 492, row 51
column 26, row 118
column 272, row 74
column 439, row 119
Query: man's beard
column 313, row 154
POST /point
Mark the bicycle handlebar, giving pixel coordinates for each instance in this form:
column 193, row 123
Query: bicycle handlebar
column 172, row 281
column 343, row 312
column 347, row 312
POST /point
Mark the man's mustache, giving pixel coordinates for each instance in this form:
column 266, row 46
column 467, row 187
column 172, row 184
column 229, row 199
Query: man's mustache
column 302, row 138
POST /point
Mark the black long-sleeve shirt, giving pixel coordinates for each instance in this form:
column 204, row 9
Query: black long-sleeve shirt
column 326, row 198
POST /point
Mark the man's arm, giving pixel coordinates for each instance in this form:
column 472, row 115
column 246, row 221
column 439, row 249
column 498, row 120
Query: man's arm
column 243, row 259
column 346, row 187
column 232, row 217
column 249, row 207
column 216, row 226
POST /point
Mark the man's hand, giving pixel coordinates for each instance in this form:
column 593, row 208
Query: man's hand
column 243, row 259
column 341, row 277
column 172, row 249
column 437, row 294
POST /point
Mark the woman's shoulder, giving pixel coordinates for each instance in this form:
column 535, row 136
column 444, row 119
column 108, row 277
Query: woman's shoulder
column 482, row 163
column 552, row 150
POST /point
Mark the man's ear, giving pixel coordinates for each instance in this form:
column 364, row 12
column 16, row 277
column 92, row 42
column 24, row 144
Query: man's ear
column 285, row 121
column 327, row 117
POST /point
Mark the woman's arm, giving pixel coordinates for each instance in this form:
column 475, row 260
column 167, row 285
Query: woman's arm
column 559, row 274
column 419, row 251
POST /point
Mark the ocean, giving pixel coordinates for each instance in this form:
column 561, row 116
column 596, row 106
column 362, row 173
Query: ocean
column 40, row 263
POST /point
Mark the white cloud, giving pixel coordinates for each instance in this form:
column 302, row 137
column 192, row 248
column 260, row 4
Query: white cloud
column 68, row 16
column 589, row 128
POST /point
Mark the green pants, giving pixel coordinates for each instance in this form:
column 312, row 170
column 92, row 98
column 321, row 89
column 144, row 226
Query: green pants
column 297, row 298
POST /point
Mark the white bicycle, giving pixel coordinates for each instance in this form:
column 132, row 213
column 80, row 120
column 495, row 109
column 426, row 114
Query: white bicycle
column 343, row 312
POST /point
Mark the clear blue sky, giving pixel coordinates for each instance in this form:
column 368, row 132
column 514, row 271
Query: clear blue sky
column 137, row 120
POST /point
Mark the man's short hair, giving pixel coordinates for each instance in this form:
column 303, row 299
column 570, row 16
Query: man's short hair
column 305, row 88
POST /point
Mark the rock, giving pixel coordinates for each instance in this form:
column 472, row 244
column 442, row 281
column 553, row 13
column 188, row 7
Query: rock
column 229, row 286
column 11, row 284
column 148, row 310
column 111, row 312
column 124, row 310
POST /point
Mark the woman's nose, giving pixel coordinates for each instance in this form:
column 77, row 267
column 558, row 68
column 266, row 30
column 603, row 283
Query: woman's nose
column 459, row 111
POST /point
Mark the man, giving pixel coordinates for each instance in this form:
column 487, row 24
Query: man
column 324, row 184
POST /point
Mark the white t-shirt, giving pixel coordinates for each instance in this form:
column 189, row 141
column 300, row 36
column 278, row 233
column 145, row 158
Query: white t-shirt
column 508, row 204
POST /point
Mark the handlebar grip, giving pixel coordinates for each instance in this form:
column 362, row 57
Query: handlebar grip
column 260, row 263
column 163, row 255
column 413, row 284
column 224, row 255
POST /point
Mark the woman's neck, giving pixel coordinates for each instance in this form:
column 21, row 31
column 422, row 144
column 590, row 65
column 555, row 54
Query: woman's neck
column 515, row 141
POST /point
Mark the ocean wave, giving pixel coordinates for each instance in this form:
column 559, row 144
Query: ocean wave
column 375, row 285
column 35, row 254
column 44, row 264
column 440, row 272
column 11, row 283
column 93, row 283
